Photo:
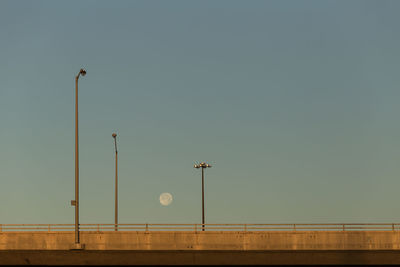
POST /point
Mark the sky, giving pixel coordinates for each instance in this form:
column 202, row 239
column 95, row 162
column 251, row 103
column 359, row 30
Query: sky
column 295, row 104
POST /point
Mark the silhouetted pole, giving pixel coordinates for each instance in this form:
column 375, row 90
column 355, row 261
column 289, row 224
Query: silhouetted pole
column 76, row 202
column 116, row 181
column 202, row 165
column 202, row 198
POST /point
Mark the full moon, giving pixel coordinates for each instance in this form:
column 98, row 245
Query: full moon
column 165, row 199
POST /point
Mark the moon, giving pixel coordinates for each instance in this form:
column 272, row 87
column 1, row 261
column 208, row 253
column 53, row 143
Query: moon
column 165, row 199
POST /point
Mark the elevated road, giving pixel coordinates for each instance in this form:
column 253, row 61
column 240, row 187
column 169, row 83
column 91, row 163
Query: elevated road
column 366, row 244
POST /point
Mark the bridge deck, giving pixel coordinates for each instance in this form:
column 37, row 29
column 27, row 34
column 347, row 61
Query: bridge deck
column 198, row 247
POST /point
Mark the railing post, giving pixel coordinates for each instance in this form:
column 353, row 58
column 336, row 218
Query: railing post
column 343, row 227
column 147, row 227
column 195, row 227
column 393, row 226
column 48, row 228
column 294, row 227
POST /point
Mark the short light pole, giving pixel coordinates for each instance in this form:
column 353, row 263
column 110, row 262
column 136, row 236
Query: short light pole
column 114, row 135
column 76, row 201
column 202, row 165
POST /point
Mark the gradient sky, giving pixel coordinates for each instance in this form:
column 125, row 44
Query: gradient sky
column 294, row 103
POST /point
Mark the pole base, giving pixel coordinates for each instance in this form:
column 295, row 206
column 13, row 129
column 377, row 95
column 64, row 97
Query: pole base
column 77, row 246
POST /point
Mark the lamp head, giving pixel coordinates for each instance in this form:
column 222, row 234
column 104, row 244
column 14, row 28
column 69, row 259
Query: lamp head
column 114, row 135
column 82, row 72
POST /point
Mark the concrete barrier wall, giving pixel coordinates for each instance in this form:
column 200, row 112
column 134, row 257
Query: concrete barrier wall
column 208, row 241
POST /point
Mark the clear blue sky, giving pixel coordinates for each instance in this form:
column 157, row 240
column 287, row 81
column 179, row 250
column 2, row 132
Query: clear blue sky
column 294, row 103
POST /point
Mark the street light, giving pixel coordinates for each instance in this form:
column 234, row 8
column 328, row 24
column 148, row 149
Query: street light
column 202, row 165
column 76, row 201
column 114, row 135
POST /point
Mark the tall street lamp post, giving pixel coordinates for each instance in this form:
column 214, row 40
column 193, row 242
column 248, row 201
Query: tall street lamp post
column 76, row 201
column 114, row 135
column 202, row 165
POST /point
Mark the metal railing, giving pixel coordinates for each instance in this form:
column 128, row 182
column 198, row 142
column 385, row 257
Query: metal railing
column 208, row 227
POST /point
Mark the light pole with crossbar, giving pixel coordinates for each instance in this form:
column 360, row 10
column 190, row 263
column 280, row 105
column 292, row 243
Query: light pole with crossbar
column 202, row 165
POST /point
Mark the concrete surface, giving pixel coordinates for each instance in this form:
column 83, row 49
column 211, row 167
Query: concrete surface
column 192, row 248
